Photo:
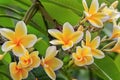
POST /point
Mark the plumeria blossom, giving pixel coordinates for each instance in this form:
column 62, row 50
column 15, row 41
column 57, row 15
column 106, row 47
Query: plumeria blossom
column 17, row 72
column 30, row 61
column 94, row 44
column 116, row 48
column 116, row 31
column 67, row 38
column 18, row 40
column 50, row 63
column 111, row 11
column 83, row 56
column 93, row 15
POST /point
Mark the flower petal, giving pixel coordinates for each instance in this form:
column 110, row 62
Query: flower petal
column 7, row 33
column 7, row 46
column 94, row 7
column 114, row 4
column 116, row 48
column 29, row 40
column 67, row 29
column 76, row 36
column 102, row 16
column 86, row 61
column 95, row 42
column 85, row 5
column 96, row 22
column 24, row 74
column 86, row 51
column 54, row 63
column 19, row 50
column 55, row 33
column 88, row 38
column 56, row 42
column 20, row 29
column 51, row 52
column 50, row 73
column 98, row 53
column 68, row 46
column 116, row 32
column 78, row 50
column 13, row 72
column 35, row 59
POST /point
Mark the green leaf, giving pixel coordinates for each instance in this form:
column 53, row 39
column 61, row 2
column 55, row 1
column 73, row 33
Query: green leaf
column 5, row 22
column 41, row 46
column 106, row 69
column 74, row 5
column 4, row 69
column 3, row 77
column 117, row 61
column 7, row 59
column 31, row 76
column 61, row 14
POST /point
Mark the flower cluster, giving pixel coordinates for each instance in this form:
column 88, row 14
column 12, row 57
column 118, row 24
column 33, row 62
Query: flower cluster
column 78, row 41
column 19, row 42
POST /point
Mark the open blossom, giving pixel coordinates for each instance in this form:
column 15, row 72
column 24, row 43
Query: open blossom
column 18, row 40
column 94, row 44
column 17, row 72
column 50, row 63
column 67, row 38
column 92, row 14
column 116, row 31
column 111, row 11
column 83, row 56
column 30, row 61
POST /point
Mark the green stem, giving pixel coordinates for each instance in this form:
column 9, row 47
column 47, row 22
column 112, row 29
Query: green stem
column 31, row 12
column 47, row 17
column 109, row 45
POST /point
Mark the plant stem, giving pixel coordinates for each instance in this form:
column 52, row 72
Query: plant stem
column 47, row 17
column 31, row 12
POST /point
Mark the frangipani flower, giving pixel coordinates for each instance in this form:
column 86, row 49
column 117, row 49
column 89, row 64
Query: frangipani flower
column 17, row 72
column 30, row 61
column 18, row 40
column 92, row 14
column 116, row 48
column 116, row 31
column 94, row 44
column 50, row 63
column 111, row 11
column 83, row 56
column 67, row 38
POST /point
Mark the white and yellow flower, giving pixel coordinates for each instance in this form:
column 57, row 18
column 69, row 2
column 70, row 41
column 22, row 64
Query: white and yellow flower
column 93, row 45
column 93, row 15
column 30, row 61
column 50, row 63
column 67, row 38
column 17, row 72
column 111, row 11
column 83, row 56
column 18, row 40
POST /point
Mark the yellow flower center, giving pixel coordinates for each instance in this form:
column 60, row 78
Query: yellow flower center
column 66, row 41
column 18, row 69
column 17, row 42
